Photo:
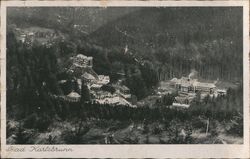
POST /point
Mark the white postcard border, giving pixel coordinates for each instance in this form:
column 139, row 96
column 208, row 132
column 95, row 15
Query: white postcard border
column 128, row 151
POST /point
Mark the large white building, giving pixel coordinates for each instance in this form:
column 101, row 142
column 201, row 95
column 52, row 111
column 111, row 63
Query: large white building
column 187, row 89
column 185, row 84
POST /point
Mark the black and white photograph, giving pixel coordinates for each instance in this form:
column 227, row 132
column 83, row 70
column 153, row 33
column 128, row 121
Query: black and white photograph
column 155, row 75
column 125, row 75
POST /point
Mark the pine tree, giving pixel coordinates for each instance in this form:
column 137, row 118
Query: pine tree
column 85, row 96
column 21, row 138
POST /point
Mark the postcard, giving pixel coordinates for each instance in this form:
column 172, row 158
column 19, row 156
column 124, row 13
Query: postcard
column 127, row 79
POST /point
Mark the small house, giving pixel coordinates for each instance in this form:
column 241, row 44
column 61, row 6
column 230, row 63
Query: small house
column 73, row 97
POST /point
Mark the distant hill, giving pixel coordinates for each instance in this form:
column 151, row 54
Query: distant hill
column 90, row 18
column 181, row 38
column 160, row 27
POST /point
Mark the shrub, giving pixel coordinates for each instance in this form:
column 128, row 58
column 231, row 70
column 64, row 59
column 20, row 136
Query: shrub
column 30, row 121
column 43, row 123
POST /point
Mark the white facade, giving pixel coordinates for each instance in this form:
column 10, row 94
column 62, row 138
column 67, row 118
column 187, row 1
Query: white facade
column 103, row 79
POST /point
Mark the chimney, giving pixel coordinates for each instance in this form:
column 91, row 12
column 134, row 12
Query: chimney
column 192, row 74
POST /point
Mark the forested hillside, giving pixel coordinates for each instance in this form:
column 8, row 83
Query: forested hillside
column 177, row 40
column 174, row 40
column 65, row 18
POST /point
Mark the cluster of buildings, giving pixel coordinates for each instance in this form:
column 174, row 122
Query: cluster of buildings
column 28, row 36
column 188, row 88
column 113, row 94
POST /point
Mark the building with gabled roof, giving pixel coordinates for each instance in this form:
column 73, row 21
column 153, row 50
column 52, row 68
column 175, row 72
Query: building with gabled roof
column 88, row 77
column 72, row 97
column 122, row 90
column 205, row 87
column 82, row 60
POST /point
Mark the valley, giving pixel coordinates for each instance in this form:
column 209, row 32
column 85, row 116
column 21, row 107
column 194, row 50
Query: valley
column 144, row 76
